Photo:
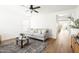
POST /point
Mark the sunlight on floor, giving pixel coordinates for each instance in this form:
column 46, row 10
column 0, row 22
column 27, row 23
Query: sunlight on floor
column 63, row 41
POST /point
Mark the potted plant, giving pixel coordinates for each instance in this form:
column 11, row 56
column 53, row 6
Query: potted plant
column 75, row 25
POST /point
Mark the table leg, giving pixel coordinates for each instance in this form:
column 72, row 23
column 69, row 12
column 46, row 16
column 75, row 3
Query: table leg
column 21, row 43
column 16, row 42
column 27, row 41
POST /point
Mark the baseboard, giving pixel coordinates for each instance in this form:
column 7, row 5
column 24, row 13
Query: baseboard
column 52, row 38
column 8, row 39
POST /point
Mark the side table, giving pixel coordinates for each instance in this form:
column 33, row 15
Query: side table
column 22, row 41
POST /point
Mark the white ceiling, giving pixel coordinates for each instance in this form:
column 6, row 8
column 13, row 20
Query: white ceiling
column 55, row 8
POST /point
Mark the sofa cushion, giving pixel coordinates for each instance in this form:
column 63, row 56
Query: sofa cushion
column 35, row 30
column 37, row 33
column 43, row 31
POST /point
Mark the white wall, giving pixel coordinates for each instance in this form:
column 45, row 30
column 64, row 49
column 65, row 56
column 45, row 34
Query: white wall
column 44, row 21
column 48, row 20
column 11, row 21
column 77, row 12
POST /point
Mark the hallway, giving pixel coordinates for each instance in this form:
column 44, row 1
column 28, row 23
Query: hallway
column 63, row 42
column 60, row 45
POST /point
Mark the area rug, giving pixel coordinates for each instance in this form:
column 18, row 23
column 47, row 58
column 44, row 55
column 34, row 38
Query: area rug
column 34, row 46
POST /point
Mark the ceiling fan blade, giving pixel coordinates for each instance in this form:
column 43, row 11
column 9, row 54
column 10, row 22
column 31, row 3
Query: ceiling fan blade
column 36, row 7
column 35, row 11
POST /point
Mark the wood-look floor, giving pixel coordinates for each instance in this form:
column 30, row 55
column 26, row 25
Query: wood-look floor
column 60, row 45
column 53, row 46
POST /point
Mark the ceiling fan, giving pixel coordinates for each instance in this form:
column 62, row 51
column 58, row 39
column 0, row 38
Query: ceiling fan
column 33, row 9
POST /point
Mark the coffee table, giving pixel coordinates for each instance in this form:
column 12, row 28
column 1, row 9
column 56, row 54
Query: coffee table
column 22, row 41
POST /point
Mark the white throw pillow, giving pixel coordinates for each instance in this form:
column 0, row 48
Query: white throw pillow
column 43, row 31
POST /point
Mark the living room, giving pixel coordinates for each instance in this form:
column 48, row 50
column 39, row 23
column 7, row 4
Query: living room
column 18, row 19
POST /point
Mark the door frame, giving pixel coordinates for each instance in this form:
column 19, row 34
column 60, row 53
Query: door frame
column 57, row 21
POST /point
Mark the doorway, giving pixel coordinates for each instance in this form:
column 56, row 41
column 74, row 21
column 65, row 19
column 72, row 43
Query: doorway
column 63, row 26
column 64, row 30
column 63, row 34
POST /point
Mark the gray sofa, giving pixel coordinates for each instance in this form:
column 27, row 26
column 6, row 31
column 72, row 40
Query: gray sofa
column 40, row 34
